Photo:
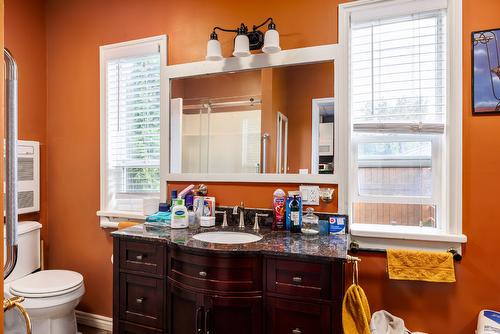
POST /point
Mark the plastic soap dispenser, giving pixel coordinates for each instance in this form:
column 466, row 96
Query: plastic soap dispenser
column 180, row 217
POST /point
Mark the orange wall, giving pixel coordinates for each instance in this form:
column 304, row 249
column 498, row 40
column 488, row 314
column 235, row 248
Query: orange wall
column 75, row 29
column 304, row 83
column 273, row 101
column 254, row 195
column 218, row 86
column 25, row 38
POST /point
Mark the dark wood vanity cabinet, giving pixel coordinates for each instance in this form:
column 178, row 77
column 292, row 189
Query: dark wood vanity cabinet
column 162, row 290
column 139, row 289
column 193, row 312
column 214, row 293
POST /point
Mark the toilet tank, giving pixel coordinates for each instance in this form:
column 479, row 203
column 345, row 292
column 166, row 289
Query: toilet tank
column 28, row 250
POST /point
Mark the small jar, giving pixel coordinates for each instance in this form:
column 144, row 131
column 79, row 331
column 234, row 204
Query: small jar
column 310, row 224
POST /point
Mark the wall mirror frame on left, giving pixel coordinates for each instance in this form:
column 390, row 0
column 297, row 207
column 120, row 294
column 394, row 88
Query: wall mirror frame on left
column 286, row 58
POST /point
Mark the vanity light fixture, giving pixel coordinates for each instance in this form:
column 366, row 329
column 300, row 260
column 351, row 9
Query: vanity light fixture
column 246, row 40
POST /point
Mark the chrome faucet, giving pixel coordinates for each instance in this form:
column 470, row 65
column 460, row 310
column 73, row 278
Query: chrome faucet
column 256, row 222
column 242, row 215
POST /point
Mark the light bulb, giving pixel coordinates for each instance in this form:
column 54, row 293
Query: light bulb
column 241, row 46
column 271, row 40
column 214, row 52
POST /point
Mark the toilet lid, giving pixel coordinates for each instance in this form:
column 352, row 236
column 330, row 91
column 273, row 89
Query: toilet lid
column 47, row 283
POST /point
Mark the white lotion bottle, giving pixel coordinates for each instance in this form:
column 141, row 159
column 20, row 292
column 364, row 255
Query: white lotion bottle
column 180, row 217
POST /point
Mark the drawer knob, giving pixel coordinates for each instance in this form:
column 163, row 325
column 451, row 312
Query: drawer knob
column 139, row 300
column 202, row 274
column 139, row 257
column 297, row 280
column 296, row 331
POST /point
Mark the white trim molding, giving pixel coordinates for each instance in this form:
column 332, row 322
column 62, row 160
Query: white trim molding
column 126, row 49
column 307, row 55
column 111, row 219
column 449, row 231
column 94, row 320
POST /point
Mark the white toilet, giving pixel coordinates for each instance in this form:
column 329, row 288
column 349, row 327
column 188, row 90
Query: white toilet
column 50, row 295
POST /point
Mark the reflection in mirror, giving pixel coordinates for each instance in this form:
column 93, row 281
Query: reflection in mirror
column 271, row 120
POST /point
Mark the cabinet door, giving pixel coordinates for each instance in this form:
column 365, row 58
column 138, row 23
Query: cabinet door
column 185, row 311
column 285, row 316
column 142, row 300
column 227, row 315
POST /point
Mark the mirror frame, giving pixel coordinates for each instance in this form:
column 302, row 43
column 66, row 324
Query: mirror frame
column 307, row 55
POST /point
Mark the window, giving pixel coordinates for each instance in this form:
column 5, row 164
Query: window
column 131, row 109
column 401, row 118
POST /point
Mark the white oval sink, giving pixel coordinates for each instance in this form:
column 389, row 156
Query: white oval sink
column 227, row 237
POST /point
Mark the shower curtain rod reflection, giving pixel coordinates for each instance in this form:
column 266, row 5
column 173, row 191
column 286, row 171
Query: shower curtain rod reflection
column 242, row 103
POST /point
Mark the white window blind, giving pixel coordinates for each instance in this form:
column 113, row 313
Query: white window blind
column 132, row 107
column 398, row 94
column 398, row 70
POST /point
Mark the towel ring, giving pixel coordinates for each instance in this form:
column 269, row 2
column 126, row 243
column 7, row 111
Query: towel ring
column 355, row 273
column 355, row 270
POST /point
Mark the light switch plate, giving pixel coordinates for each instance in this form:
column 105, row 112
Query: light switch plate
column 310, row 195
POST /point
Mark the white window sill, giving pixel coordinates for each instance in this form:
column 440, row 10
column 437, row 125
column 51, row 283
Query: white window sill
column 121, row 214
column 405, row 233
column 370, row 236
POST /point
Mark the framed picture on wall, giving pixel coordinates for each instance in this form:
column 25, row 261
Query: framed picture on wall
column 486, row 72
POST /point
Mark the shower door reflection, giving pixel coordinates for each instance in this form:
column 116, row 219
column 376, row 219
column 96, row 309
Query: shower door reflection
column 221, row 135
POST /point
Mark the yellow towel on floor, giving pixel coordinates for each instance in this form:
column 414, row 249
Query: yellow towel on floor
column 420, row 266
column 355, row 311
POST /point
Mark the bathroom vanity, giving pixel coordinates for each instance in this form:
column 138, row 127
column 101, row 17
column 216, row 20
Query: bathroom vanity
column 165, row 281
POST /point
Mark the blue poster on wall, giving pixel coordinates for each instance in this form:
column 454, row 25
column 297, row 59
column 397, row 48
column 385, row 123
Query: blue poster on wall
column 486, row 72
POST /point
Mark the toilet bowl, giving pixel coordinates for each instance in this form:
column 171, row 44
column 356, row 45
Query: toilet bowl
column 50, row 296
column 50, row 299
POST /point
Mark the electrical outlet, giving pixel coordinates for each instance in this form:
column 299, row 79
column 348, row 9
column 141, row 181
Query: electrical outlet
column 310, row 195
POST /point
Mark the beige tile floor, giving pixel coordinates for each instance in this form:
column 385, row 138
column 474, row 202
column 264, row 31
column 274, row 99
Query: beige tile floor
column 90, row 330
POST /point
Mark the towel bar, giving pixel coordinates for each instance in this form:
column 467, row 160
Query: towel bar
column 354, row 248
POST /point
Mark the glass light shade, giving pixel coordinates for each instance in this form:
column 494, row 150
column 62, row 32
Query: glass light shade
column 213, row 50
column 241, row 46
column 271, row 41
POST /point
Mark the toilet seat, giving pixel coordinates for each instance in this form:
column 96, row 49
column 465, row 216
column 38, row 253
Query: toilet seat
column 41, row 304
column 47, row 283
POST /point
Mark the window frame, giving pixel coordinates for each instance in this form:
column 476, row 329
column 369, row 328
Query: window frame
column 449, row 231
column 121, row 50
column 436, row 164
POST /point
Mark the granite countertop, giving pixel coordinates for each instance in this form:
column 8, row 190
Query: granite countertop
column 283, row 243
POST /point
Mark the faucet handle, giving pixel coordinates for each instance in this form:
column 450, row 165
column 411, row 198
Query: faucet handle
column 224, row 220
column 256, row 222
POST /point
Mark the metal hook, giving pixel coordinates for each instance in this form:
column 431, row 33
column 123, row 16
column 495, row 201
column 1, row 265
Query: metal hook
column 355, row 273
column 355, row 270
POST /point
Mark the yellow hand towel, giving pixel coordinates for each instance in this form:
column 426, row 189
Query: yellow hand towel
column 355, row 311
column 420, row 266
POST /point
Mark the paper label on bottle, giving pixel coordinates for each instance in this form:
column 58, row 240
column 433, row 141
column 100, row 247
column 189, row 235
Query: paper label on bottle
column 294, row 216
column 180, row 214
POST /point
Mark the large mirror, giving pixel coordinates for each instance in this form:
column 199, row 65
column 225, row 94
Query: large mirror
column 277, row 120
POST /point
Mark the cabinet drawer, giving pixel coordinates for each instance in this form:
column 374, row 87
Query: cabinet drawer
column 142, row 300
column 142, row 256
column 216, row 273
column 296, row 278
column 128, row 328
column 291, row 317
